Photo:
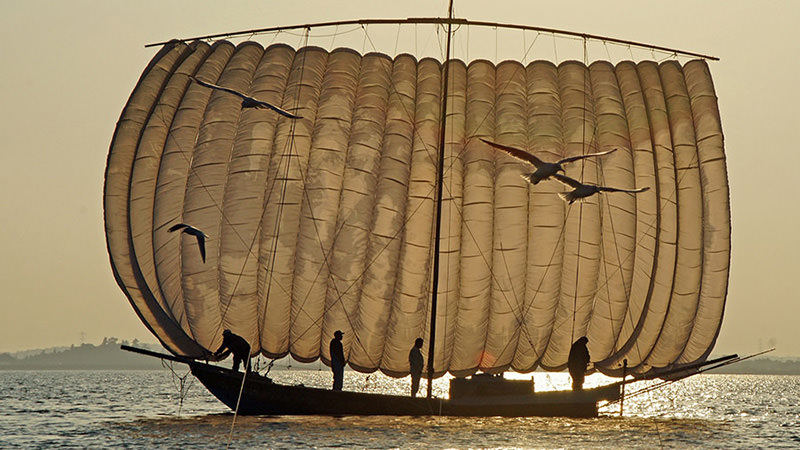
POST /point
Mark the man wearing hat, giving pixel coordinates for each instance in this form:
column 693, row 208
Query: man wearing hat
column 337, row 360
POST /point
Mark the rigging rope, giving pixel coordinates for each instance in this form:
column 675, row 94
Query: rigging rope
column 333, row 38
column 555, row 50
column 183, row 388
column 238, row 399
column 396, row 41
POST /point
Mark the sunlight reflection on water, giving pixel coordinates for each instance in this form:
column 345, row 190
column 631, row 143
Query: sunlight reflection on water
column 115, row 409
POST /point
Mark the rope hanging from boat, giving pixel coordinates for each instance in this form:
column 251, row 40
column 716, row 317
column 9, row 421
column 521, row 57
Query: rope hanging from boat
column 238, row 402
column 183, row 388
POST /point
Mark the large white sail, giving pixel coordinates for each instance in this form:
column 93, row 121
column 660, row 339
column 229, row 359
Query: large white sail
column 327, row 222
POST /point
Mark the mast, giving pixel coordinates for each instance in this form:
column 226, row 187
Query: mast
column 439, row 189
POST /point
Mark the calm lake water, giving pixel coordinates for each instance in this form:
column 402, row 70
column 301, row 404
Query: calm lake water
column 142, row 409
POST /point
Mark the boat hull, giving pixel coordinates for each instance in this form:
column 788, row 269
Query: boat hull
column 261, row 396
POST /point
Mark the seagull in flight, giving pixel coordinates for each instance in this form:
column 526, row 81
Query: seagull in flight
column 544, row 170
column 201, row 237
column 247, row 101
column 581, row 190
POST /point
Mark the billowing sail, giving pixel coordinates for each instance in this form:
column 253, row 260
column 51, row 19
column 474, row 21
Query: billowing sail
column 326, row 222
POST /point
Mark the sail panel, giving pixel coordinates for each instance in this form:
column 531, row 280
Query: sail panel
column 582, row 222
column 475, row 284
column 546, row 213
column 716, row 212
column 686, row 289
column 510, row 221
column 243, row 200
column 410, row 306
column 635, row 334
column 383, row 253
column 326, row 222
column 116, row 198
column 173, row 173
column 663, row 278
column 618, row 213
column 351, row 236
column 238, row 216
column 357, row 204
column 319, row 206
column 452, row 207
column 285, row 193
column 203, row 207
column 277, row 64
column 144, row 181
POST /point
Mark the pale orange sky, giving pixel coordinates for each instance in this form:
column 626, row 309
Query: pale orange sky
column 69, row 67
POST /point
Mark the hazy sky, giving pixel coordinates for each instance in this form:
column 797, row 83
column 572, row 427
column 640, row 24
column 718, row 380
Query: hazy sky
column 69, row 67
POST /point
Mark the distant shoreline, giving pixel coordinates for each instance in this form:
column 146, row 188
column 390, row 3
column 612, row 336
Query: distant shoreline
column 108, row 356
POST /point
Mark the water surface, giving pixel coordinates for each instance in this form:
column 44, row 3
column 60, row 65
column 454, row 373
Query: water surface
column 143, row 409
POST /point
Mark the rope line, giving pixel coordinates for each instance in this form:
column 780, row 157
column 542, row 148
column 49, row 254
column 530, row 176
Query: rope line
column 183, row 388
column 247, row 366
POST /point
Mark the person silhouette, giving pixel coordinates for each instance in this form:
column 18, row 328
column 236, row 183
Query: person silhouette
column 337, row 360
column 415, row 363
column 577, row 361
column 238, row 346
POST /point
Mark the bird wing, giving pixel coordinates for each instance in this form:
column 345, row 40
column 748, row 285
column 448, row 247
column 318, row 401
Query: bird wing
column 632, row 191
column 221, row 88
column 565, row 180
column 248, row 98
column 177, row 227
column 590, row 155
column 280, row 111
column 194, row 231
column 201, row 242
column 516, row 153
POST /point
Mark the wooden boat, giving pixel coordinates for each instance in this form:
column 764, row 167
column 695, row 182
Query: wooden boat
column 482, row 395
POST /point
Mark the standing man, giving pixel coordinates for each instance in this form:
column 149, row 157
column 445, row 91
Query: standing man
column 577, row 361
column 416, row 363
column 236, row 345
column 337, row 360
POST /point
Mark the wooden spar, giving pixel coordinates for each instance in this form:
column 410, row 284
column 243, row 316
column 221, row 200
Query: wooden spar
column 180, row 359
column 688, row 371
column 735, row 360
column 450, row 22
column 687, row 368
column 439, row 189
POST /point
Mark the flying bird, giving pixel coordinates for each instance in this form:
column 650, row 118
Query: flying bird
column 544, row 170
column 201, row 237
column 581, row 190
column 247, row 101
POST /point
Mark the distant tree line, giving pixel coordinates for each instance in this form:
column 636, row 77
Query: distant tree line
column 105, row 356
